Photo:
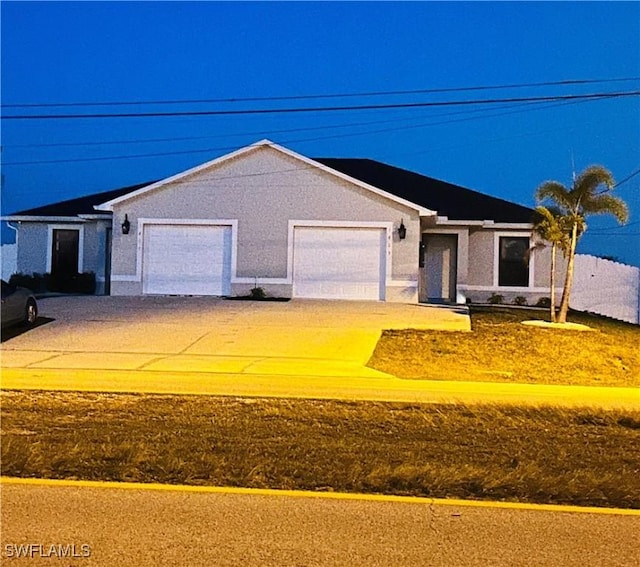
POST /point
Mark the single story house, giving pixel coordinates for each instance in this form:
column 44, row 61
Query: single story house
column 265, row 216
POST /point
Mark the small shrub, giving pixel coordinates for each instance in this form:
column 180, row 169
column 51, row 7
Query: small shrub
column 40, row 283
column 37, row 283
column 74, row 283
column 544, row 302
column 496, row 299
column 257, row 293
column 520, row 300
column 85, row 283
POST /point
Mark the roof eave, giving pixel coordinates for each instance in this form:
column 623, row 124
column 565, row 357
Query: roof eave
column 105, row 215
column 44, row 218
column 487, row 223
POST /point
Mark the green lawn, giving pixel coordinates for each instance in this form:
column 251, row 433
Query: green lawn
column 544, row 455
column 500, row 348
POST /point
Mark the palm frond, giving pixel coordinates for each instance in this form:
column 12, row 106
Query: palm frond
column 590, row 179
column 546, row 214
column 607, row 204
column 554, row 226
column 555, row 192
column 555, row 211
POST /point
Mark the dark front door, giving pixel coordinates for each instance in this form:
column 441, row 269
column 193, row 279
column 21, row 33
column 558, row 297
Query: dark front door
column 64, row 255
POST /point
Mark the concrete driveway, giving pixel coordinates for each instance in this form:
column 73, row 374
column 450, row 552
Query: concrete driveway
column 205, row 346
column 199, row 334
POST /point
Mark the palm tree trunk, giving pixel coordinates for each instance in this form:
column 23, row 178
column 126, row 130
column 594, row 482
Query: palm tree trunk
column 568, row 281
column 552, row 280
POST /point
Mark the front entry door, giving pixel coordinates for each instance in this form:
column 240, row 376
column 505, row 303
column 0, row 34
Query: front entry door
column 440, row 261
column 65, row 252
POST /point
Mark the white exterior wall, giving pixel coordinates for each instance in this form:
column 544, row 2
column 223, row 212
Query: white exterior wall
column 606, row 288
column 9, row 254
column 32, row 248
column 482, row 279
column 262, row 191
column 481, row 261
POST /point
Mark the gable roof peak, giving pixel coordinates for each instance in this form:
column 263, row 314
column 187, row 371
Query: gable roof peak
column 264, row 142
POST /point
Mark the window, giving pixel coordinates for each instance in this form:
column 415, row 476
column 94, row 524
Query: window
column 513, row 270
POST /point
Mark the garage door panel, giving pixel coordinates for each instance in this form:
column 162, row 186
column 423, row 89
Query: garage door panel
column 339, row 263
column 187, row 259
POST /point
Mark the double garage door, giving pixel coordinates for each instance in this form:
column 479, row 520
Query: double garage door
column 328, row 262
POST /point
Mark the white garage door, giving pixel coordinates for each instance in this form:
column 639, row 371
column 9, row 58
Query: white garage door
column 186, row 259
column 339, row 263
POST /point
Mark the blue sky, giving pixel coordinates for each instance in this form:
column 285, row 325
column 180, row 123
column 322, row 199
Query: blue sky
column 68, row 52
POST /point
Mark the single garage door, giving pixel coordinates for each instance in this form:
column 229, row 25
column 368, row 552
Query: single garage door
column 339, row 263
column 186, row 259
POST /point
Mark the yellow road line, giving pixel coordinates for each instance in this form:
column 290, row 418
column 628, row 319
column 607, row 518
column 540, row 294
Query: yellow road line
column 325, row 495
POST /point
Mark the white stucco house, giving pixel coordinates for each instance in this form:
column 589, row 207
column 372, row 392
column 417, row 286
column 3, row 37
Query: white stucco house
column 296, row 226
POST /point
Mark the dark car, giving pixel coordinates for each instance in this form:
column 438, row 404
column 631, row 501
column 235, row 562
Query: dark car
column 19, row 306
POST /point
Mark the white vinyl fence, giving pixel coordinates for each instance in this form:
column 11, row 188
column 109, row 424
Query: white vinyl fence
column 606, row 288
column 9, row 257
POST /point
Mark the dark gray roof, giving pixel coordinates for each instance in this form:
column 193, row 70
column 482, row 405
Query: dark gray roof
column 452, row 201
column 80, row 205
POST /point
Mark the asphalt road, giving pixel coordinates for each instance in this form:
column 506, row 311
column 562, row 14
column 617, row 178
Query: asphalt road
column 131, row 526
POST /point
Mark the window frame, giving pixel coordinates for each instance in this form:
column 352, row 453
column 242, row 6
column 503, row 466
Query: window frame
column 498, row 236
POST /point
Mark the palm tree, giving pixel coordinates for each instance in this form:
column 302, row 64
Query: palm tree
column 589, row 194
column 552, row 227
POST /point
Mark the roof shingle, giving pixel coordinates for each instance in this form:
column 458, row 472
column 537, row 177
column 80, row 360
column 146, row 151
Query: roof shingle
column 452, row 201
column 80, row 205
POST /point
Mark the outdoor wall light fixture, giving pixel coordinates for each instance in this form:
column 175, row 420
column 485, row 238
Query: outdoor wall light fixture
column 402, row 230
column 126, row 225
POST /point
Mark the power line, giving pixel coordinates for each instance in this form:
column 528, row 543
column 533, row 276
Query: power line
column 333, row 136
column 267, row 133
column 569, row 82
column 612, row 233
column 131, row 156
column 591, row 96
column 608, row 229
column 627, row 178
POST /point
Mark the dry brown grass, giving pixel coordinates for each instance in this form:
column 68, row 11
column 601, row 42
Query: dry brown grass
column 500, row 348
column 549, row 455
